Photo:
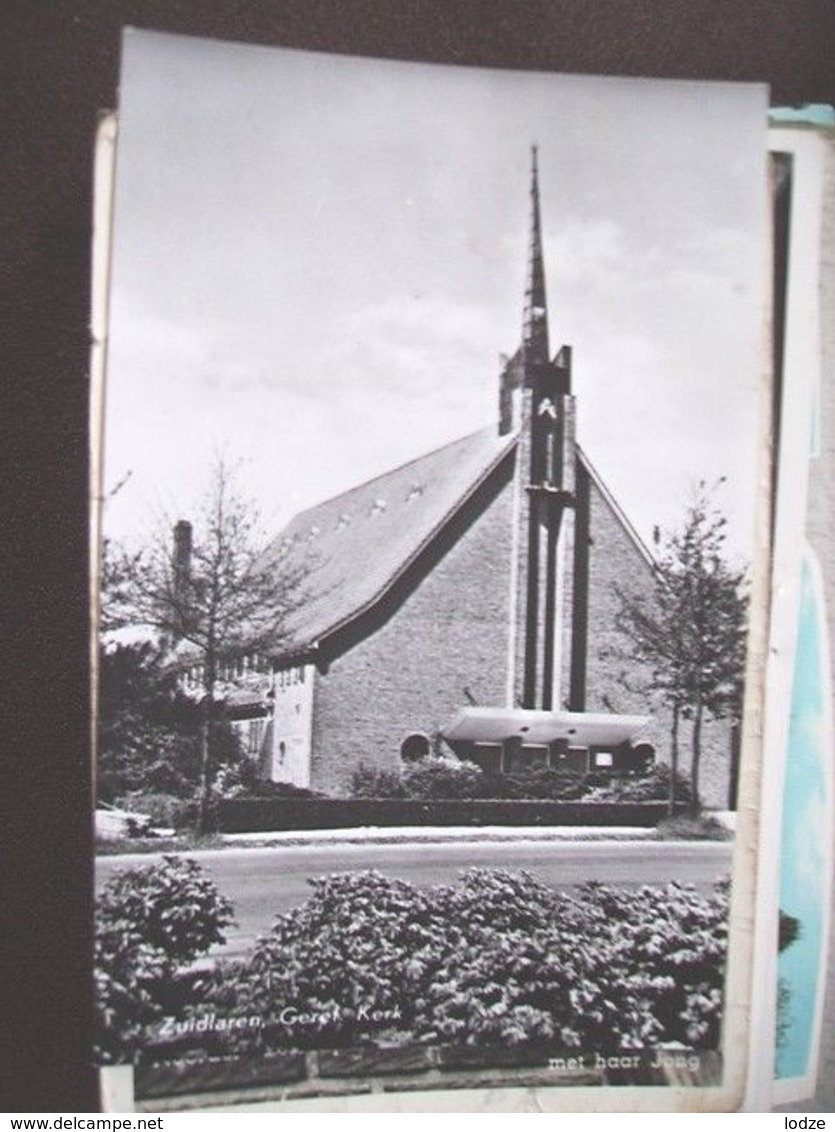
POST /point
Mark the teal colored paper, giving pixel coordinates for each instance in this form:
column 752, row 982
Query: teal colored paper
column 804, row 838
column 812, row 114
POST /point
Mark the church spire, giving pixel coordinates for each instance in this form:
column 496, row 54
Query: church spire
column 535, row 327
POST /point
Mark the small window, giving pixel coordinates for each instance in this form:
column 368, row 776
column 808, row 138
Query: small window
column 414, row 747
column 603, row 759
column 525, row 757
column 488, row 756
column 578, row 759
column 255, row 736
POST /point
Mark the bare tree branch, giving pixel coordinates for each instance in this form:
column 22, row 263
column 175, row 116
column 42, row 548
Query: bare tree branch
column 231, row 599
column 690, row 633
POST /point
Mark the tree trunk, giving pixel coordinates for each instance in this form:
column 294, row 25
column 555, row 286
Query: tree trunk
column 206, row 744
column 205, row 769
column 696, row 803
column 671, row 798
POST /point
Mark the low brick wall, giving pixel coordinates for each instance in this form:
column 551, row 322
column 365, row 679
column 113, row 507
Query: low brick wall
column 254, row 815
column 294, row 1075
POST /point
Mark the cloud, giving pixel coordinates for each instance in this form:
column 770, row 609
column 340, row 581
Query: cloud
column 327, row 293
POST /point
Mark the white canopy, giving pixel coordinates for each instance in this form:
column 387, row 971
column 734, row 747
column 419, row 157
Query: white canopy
column 580, row 728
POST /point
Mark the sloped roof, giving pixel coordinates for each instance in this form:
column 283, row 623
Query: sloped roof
column 618, row 511
column 352, row 548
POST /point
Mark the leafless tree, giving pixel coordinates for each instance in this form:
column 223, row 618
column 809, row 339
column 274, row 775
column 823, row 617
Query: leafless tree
column 224, row 594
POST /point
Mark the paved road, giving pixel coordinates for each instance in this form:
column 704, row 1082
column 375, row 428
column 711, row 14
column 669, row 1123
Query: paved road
column 264, row 882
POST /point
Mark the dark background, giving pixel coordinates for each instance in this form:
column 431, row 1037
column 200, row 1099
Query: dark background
column 59, row 66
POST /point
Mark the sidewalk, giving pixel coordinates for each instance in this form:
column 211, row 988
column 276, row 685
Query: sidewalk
column 382, row 835
column 415, row 835
column 438, row 835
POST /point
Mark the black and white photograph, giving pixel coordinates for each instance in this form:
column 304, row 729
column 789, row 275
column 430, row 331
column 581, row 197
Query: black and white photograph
column 430, row 506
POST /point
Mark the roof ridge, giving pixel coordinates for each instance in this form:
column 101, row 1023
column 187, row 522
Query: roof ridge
column 389, row 473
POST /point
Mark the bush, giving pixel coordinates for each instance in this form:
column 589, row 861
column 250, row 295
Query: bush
column 448, row 777
column 257, row 787
column 441, row 776
column 498, row 960
column 371, row 782
column 148, row 730
column 243, row 779
column 150, row 920
column 175, row 908
column 233, row 781
column 539, row 783
column 652, row 787
column 432, row 776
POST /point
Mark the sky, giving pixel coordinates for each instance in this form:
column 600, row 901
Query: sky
column 317, row 261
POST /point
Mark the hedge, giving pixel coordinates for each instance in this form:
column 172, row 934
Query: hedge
column 370, row 962
column 254, row 815
column 499, row 959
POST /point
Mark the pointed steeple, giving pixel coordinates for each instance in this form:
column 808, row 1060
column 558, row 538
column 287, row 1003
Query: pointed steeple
column 535, row 327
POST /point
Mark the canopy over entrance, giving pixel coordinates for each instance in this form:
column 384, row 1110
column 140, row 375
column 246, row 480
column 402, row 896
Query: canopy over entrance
column 578, row 729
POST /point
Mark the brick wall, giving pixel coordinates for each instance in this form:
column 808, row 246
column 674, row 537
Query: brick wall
column 293, row 1075
column 447, row 626
column 615, row 562
column 404, row 669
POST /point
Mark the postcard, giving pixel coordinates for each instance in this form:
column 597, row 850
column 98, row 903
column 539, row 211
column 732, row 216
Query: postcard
column 796, row 848
column 433, row 525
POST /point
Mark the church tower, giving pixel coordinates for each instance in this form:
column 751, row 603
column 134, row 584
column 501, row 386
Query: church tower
column 535, row 400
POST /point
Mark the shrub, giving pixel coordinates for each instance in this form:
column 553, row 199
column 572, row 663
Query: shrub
column 232, row 781
column 444, row 776
column 668, row 946
column 499, row 959
column 432, row 776
column 538, row 783
column 243, row 779
column 340, row 960
column 175, row 908
column 266, row 788
column 372, row 782
column 652, row 787
column 441, row 776
column 150, row 920
column 128, row 976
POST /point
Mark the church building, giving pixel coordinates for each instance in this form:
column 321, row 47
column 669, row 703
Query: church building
column 467, row 601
